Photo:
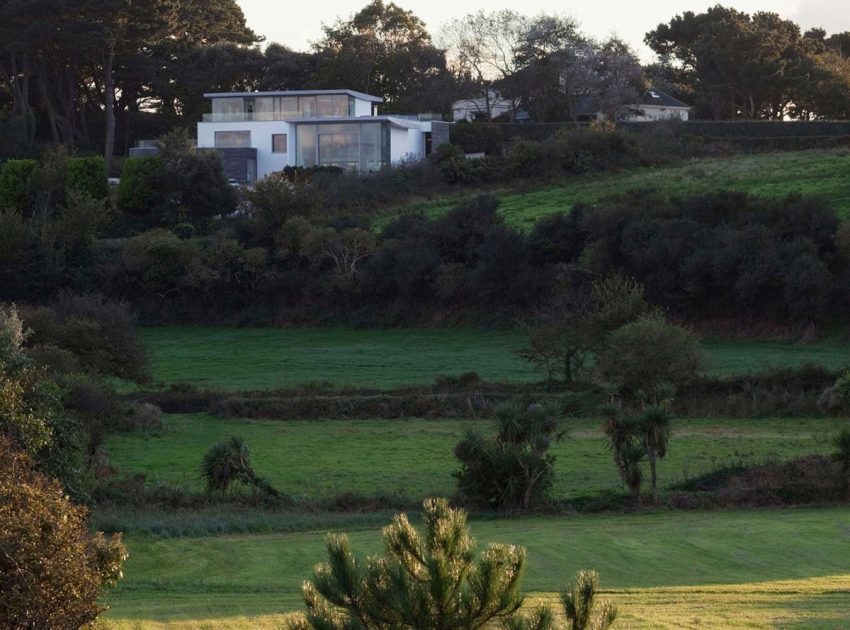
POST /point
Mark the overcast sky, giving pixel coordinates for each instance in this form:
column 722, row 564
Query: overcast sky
column 297, row 24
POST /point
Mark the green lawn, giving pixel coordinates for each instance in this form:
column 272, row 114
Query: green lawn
column 413, row 457
column 263, row 358
column 820, row 173
column 756, row 569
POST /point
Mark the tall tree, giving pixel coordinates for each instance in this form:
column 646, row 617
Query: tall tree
column 384, row 50
column 740, row 65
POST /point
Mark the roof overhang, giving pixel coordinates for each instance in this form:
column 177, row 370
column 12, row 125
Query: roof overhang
column 359, row 95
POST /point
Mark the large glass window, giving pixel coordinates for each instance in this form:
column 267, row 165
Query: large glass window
column 224, row 107
column 264, row 108
column 339, row 149
column 305, row 150
column 287, row 107
column 370, row 147
column 307, row 106
column 356, row 146
column 329, row 105
column 278, row 143
column 232, row 139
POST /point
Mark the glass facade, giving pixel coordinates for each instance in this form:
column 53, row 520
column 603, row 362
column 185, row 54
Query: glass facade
column 353, row 146
column 260, row 108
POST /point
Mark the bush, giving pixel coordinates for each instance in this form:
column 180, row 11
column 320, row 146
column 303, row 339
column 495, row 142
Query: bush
column 229, row 462
column 643, row 354
column 514, row 471
column 139, row 191
column 16, row 181
column 51, row 569
column 99, row 332
column 87, row 175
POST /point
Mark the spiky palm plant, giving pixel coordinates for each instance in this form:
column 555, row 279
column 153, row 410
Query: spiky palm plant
column 229, row 462
column 633, row 454
column 655, row 424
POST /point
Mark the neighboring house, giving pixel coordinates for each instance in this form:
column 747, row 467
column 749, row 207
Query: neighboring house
column 257, row 133
column 481, row 108
column 656, row 105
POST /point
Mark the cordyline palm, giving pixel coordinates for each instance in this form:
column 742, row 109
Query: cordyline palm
column 229, row 462
column 627, row 447
column 655, row 425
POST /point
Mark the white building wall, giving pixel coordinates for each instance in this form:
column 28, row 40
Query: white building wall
column 261, row 139
column 362, row 108
column 399, row 144
column 661, row 113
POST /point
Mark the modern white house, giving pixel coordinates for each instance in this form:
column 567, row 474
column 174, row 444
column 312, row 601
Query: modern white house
column 656, row 105
column 258, row 133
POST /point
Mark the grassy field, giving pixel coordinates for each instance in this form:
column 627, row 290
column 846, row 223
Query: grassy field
column 818, row 173
column 262, row 358
column 413, row 457
column 756, row 569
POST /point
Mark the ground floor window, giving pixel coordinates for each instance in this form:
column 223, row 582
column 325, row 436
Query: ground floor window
column 278, row 143
column 232, row 139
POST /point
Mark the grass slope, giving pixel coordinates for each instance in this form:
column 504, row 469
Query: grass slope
column 763, row 568
column 263, row 358
column 818, row 173
column 414, row 457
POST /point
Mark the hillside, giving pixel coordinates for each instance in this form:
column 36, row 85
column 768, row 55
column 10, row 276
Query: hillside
column 820, row 173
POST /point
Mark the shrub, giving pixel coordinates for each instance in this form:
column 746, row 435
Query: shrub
column 87, row 175
column 51, row 569
column 515, row 470
column 16, row 181
column 99, row 332
column 80, row 221
column 139, row 191
column 645, row 353
column 229, row 462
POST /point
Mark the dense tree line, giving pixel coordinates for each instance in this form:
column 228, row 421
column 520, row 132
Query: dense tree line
column 730, row 64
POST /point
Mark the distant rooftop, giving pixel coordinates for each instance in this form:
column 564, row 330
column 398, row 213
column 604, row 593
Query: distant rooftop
column 354, row 93
column 654, row 96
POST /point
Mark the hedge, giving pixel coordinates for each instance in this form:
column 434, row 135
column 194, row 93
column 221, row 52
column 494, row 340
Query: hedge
column 87, row 175
column 15, row 179
column 139, row 190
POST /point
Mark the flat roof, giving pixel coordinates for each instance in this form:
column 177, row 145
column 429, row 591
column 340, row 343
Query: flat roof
column 354, row 93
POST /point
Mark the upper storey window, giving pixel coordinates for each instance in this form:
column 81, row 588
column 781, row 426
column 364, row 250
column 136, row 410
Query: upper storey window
column 259, row 108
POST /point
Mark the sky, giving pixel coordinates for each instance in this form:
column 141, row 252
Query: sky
column 280, row 21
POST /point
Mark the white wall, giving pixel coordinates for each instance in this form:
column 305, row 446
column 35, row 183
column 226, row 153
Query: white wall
column 261, row 139
column 651, row 113
column 362, row 108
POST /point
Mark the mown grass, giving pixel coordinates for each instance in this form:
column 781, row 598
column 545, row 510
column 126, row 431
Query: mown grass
column 413, row 458
column 761, row 568
column 264, row 358
column 817, row 173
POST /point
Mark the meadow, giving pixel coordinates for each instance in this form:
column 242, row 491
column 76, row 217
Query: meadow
column 412, row 458
column 817, row 173
column 784, row 568
column 264, row 358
